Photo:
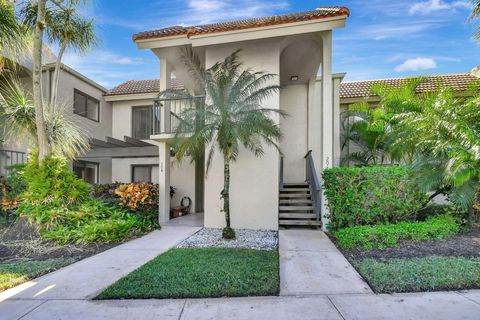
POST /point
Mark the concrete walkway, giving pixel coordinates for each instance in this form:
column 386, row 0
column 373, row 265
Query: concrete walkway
column 65, row 294
column 310, row 264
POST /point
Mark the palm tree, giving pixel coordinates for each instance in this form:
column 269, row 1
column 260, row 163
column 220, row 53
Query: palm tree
column 475, row 15
column 65, row 27
column 13, row 37
column 447, row 140
column 232, row 115
column 17, row 114
column 375, row 129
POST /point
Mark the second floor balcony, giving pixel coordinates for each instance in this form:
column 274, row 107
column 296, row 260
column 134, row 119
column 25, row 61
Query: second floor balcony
column 168, row 116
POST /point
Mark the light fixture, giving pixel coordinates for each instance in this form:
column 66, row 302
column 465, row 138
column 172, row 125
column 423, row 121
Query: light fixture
column 294, row 78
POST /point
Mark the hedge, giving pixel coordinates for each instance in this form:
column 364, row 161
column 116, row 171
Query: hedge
column 371, row 195
column 388, row 235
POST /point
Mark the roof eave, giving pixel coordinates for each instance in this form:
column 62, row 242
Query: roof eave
column 315, row 25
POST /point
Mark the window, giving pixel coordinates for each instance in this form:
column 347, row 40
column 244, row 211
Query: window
column 141, row 122
column 86, row 106
column 87, row 171
column 145, row 173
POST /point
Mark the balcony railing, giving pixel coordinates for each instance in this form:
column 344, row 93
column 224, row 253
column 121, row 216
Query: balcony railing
column 10, row 158
column 168, row 113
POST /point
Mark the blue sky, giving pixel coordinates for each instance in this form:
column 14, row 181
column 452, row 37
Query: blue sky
column 382, row 39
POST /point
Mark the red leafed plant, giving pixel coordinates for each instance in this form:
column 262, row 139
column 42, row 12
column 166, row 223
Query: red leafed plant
column 138, row 196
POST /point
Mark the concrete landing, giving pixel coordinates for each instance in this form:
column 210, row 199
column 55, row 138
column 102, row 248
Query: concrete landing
column 86, row 278
column 310, row 264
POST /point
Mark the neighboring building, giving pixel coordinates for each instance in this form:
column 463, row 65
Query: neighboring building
column 88, row 107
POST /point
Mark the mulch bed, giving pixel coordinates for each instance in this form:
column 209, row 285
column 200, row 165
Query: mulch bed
column 462, row 245
column 21, row 242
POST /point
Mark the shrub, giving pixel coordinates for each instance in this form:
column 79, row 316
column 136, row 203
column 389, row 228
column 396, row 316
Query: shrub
column 141, row 197
column 60, row 204
column 15, row 184
column 52, row 182
column 388, row 235
column 370, row 195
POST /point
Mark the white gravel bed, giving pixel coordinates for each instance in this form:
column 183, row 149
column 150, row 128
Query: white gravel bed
column 246, row 239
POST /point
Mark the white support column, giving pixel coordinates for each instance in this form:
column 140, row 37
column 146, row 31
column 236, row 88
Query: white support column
column 327, row 115
column 314, row 125
column 337, row 149
column 164, row 182
column 165, row 83
column 164, row 150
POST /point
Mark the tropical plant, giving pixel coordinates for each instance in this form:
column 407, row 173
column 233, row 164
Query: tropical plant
column 17, row 113
column 67, row 28
column 446, row 135
column 475, row 15
column 13, row 36
column 374, row 129
column 231, row 116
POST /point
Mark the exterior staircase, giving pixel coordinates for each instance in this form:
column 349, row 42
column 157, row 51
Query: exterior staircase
column 296, row 207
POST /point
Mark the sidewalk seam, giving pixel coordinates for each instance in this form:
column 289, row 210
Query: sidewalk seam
column 26, row 314
column 336, row 308
column 183, row 308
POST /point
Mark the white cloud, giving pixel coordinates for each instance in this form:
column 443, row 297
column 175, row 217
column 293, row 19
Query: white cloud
column 207, row 11
column 104, row 67
column 430, row 6
column 417, row 64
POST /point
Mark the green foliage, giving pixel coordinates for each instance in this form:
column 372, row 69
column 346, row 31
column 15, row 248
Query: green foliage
column 388, row 235
column 107, row 225
column 421, row 274
column 52, row 183
column 370, row 195
column 201, row 273
column 13, row 37
column 14, row 274
column 15, row 183
column 437, row 131
column 446, row 135
column 60, row 204
column 374, row 129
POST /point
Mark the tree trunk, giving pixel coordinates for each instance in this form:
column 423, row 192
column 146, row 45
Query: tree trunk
column 43, row 145
column 226, row 190
column 56, row 75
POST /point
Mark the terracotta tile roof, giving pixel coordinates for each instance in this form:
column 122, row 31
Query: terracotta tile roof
column 141, row 86
column 360, row 89
column 317, row 14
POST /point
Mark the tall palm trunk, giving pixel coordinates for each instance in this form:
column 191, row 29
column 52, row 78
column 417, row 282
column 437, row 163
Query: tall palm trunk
column 43, row 146
column 56, row 75
column 228, row 232
column 226, row 190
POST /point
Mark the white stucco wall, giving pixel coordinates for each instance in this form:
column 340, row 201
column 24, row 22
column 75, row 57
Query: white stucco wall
column 294, row 101
column 254, row 181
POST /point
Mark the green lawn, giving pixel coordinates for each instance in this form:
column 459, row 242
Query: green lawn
column 421, row 274
column 14, row 274
column 199, row 273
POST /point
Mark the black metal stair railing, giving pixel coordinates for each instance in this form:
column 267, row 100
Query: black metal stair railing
column 312, row 178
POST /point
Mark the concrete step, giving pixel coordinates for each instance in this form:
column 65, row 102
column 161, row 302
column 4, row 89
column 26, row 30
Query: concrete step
column 291, row 190
column 295, row 215
column 287, row 222
column 296, row 208
column 295, row 196
column 296, row 185
column 296, row 201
